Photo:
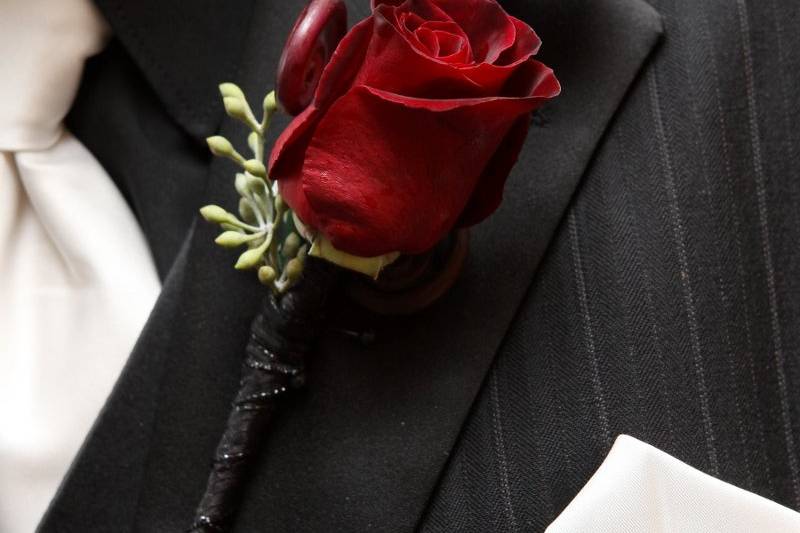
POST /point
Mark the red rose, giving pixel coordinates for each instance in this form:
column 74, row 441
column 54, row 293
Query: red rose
column 414, row 126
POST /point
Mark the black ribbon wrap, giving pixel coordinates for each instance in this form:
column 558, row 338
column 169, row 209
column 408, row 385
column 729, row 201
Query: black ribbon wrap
column 282, row 335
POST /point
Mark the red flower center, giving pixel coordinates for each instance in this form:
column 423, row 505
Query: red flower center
column 442, row 40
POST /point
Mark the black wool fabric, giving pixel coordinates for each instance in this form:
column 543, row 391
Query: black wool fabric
column 667, row 307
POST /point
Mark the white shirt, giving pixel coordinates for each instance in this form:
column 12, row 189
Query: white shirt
column 77, row 280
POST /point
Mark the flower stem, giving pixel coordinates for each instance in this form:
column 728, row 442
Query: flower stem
column 282, row 335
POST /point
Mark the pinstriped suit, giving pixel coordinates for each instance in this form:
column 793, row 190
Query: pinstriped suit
column 667, row 306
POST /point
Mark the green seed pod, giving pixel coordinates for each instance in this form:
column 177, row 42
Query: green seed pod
column 256, row 168
column 240, row 183
column 250, row 259
column 291, row 245
column 266, row 275
column 235, row 107
column 302, row 253
column 215, row 214
column 280, row 203
column 257, row 186
column 246, row 211
column 270, row 103
column 253, row 141
column 231, row 239
column 293, row 270
column 230, row 90
column 220, row 146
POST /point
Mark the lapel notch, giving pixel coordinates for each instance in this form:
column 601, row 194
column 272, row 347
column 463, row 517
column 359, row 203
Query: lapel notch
column 184, row 51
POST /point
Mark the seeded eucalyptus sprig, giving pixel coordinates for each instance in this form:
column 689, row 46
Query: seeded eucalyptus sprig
column 265, row 225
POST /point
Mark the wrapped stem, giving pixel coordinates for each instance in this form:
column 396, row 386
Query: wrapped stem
column 282, row 335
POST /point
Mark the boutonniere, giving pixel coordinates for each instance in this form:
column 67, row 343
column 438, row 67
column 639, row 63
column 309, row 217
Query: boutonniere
column 405, row 130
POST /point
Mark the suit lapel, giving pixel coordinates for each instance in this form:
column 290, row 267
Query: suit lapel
column 364, row 446
column 182, row 51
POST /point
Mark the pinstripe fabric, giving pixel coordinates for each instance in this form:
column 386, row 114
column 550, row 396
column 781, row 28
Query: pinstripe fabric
column 668, row 307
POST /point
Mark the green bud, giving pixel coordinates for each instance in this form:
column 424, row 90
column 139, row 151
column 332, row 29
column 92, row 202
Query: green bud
column 235, row 107
column 291, row 245
column 253, row 141
column 280, row 203
column 293, row 270
column 256, row 168
column 257, row 185
column 250, row 259
column 240, row 183
column 246, row 211
column 266, row 275
column 230, row 90
column 232, row 239
column 220, row 146
column 270, row 103
column 302, row 253
column 215, row 214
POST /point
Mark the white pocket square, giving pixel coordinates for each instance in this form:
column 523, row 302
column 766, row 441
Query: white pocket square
column 640, row 488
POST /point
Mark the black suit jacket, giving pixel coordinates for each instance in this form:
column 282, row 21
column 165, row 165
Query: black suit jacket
column 640, row 277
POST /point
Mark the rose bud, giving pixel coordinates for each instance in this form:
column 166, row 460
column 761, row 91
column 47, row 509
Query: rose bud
column 310, row 46
column 415, row 125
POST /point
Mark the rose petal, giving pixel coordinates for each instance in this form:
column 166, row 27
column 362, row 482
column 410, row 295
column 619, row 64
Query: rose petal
column 418, row 74
column 376, row 3
column 428, row 39
column 494, row 76
column 290, row 135
column 410, row 21
column 287, row 154
column 427, row 36
column 526, row 44
column 286, row 162
column 426, row 9
column 532, row 79
column 376, row 189
column 453, row 43
column 393, row 63
column 488, row 26
column 534, row 84
column 344, row 64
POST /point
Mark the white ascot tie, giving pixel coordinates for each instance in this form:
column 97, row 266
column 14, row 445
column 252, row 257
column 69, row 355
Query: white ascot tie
column 77, row 280
column 639, row 488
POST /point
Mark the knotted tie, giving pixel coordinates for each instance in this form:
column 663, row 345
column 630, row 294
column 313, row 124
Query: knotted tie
column 76, row 278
